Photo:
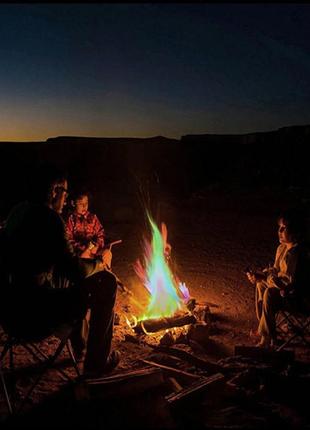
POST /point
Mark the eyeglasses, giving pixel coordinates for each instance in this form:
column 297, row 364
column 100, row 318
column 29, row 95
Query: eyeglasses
column 63, row 190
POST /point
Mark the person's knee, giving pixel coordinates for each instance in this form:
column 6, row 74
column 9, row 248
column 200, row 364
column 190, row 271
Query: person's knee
column 108, row 279
column 260, row 290
column 270, row 295
column 261, row 287
column 102, row 286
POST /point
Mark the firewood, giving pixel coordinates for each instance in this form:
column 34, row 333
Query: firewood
column 263, row 354
column 165, row 359
column 123, row 384
column 196, row 388
column 176, row 387
column 154, row 325
column 124, row 376
column 187, row 377
column 190, row 358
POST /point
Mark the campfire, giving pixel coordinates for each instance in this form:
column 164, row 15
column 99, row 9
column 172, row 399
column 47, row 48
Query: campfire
column 169, row 302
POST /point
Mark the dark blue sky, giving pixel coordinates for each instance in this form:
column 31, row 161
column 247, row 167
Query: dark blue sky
column 152, row 69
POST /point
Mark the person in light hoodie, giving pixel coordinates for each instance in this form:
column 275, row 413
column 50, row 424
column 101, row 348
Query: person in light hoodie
column 287, row 280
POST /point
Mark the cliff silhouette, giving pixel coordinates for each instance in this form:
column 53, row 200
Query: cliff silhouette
column 178, row 167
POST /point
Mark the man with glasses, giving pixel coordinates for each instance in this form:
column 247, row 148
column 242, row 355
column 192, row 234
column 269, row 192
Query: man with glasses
column 36, row 249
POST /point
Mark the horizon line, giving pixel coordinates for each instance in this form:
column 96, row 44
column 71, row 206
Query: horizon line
column 153, row 137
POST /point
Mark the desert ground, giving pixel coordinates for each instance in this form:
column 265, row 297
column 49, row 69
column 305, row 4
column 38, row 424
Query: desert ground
column 215, row 234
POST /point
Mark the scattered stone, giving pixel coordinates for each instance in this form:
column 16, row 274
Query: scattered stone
column 182, row 339
column 191, row 304
column 199, row 333
column 168, row 339
column 131, row 338
column 203, row 314
column 117, row 319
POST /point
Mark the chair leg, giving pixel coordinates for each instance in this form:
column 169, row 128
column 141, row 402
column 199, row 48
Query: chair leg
column 299, row 329
column 6, row 348
column 47, row 364
column 39, row 355
column 302, row 331
column 12, row 375
column 75, row 365
column 6, row 394
column 38, row 352
column 10, row 399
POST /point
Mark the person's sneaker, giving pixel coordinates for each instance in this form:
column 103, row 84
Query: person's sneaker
column 111, row 363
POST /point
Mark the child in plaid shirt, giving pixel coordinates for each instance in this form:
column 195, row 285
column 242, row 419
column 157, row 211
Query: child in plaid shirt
column 86, row 235
column 84, row 230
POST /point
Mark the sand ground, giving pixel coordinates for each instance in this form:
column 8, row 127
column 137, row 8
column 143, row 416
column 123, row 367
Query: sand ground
column 214, row 236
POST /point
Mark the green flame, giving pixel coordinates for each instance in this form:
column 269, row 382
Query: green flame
column 164, row 300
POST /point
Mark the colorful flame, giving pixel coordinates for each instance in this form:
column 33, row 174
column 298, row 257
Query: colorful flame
column 184, row 291
column 167, row 294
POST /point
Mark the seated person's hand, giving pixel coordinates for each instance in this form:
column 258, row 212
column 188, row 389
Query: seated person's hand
column 270, row 279
column 274, row 281
column 86, row 254
column 90, row 251
column 251, row 277
column 107, row 258
column 94, row 249
column 254, row 277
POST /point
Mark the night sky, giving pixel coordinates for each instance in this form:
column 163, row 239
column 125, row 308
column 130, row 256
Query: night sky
column 140, row 70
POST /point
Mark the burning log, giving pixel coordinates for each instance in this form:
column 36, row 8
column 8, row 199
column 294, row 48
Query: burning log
column 154, row 325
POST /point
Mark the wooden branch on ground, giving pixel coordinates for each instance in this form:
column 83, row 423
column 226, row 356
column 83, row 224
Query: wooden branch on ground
column 120, row 385
column 165, row 359
column 187, row 377
column 196, row 388
column 263, row 354
column 190, row 358
column 176, row 387
column 154, row 325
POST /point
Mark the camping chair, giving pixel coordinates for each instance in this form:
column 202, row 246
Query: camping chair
column 46, row 362
column 293, row 323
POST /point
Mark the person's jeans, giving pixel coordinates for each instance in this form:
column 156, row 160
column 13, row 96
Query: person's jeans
column 102, row 288
column 79, row 336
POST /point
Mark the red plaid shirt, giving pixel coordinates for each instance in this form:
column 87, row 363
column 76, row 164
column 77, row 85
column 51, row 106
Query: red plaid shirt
column 82, row 229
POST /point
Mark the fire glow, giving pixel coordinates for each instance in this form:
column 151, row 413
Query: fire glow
column 167, row 296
